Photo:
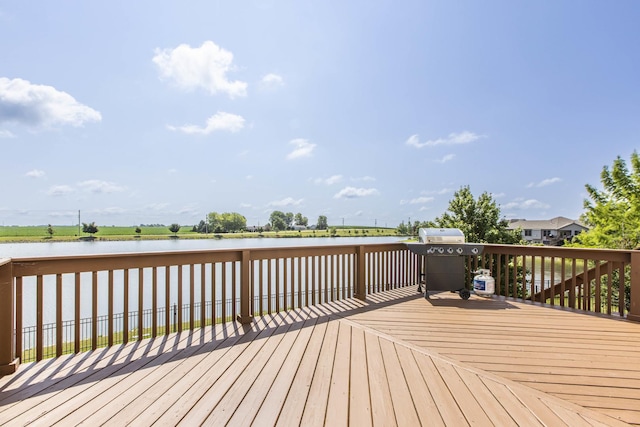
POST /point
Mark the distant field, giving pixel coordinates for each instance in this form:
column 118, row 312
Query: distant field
column 72, row 231
column 68, row 233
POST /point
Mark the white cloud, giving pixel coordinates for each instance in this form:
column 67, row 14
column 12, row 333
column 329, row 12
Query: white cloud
column 6, row 134
column 417, row 201
column 35, row 173
column 156, row 206
column 303, row 148
column 220, row 121
column 203, row 67
column 245, row 205
column 441, row 191
column 364, row 178
column 334, row 179
column 40, row 106
column 446, row 158
column 109, row 211
column 352, row 193
column 544, row 182
column 248, row 177
column 60, row 190
column 520, row 204
column 98, row 187
column 453, row 139
column 272, row 80
column 188, row 210
column 72, row 214
column 288, row 201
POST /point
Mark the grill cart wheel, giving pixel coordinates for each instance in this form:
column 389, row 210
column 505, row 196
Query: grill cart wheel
column 465, row 294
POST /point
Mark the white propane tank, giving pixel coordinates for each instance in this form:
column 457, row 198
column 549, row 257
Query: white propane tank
column 483, row 283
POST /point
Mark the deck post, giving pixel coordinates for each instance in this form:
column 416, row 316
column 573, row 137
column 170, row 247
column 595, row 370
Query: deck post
column 360, row 291
column 245, row 283
column 8, row 362
column 634, row 309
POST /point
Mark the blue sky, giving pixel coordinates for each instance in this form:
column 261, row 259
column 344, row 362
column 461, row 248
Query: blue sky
column 368, row 112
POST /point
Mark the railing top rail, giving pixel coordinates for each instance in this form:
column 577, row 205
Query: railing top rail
column 619, row 255
column 30, row 266
column 4, row 261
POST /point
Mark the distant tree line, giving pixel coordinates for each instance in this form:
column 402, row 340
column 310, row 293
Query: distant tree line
column 233, row 222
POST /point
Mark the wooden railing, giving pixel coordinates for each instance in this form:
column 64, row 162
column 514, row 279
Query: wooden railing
column 180, row 290
column 585, row 279
column 110, row 299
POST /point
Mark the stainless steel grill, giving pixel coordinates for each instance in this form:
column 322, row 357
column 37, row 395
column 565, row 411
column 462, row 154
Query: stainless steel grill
column 442, row 266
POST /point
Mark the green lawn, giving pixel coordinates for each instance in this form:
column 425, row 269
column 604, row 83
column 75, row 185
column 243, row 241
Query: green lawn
column 70, row 233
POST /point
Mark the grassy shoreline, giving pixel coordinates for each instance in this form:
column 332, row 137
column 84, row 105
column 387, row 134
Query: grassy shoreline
column 38, row 234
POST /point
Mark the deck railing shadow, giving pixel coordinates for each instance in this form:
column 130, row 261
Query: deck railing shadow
column 118, row 361
column 477, row 303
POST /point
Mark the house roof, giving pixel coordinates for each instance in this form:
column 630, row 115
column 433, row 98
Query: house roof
column 557, row 223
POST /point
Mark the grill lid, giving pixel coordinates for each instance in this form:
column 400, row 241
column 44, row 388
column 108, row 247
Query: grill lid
column 440, row 235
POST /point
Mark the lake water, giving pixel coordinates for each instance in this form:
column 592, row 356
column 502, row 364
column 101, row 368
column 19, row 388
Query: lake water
column 17, row 250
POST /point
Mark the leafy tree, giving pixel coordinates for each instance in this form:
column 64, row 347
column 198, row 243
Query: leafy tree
column 478, row 219
column 278, row 220
column 402, row 229
column 174, row 228
column 50, row 231
column 233, row 221
column 89, row 228
column 301, row 220
column 289, row 219
column 138, row 230
column 214, row 220
column 227, row 222
column 613, row 213
column 322, row 223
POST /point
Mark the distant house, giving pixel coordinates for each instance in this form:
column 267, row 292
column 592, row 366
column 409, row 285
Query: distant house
column 548, row 232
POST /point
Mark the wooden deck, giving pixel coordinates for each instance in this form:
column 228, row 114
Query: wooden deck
column 396, row 359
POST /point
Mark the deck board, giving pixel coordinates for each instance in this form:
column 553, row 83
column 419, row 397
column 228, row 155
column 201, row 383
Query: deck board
column 395, row 359
column 425, row 405
column 403, row 402
column 338, row 402
column 293, row 406
column 315, row 409
column 558, row 351
column 381, row 406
